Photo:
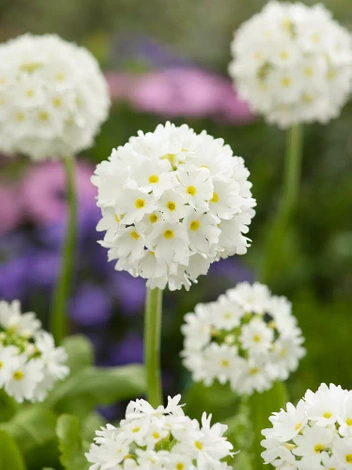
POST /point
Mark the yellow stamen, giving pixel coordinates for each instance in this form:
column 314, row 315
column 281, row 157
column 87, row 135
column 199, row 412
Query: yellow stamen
column 298, row 426
column 256, row 338
column 349, row 458
column 18, row 375
column 225, row 363
column 21, row 117
column 29, row 93
column 153, row 218
column 139, row 203
column 180, row 466
column 327, row 415
column 198, row 445
column 194, row 225
column 156, row 435
column 57, row 102
column 171, row 206
column 153, row 179
column 319, row 448
column 191, row 190
column 286, row 82
column 117, row 219
column 43, row 116
column 169, row 234
column 134, row 235
column 349, row 421
column 136, row 429
column 215, row 198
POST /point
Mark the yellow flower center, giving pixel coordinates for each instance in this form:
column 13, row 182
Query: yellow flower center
column 215, row 198
column 256, row 338
column 194, row 225
column 227, row 316
column 134, row 235
column 253, row 371
column 284, row 55
column 307, row 98
column 170, row 157
column 21, row 117
column 29, row 93
column 198, row 445
column 156, row 435
column 315, row 38
column 153, row 218
column 191, row 190
column 153, row 179
column 139, row 203
column 43, row 116
column 18, row 375
column 308, row 71
column 331, row 75
column 225, row 363
column 169, row 234
column 1, row 364
column 319, row 448
column 57, row 102
column 30, row 67
column 136, row 429
column 117, row 219
column 180, row 466
column 349, row 458
column 171, row 206
column 298, row 426
column 286, row 82
column 327, row 415
column 349, row 421
column 60, row 77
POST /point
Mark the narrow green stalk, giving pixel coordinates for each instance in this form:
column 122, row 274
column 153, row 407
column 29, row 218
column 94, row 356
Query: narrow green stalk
column 152, row 339
column 289, row 199
column 58, row 319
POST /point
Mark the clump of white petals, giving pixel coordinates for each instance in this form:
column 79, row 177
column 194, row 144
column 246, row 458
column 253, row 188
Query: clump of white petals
column 53, row 97
column 315, row 434
column 173, row 202
column 160, row 439
column 247, row 337
column 30, row 364
column 292, row 63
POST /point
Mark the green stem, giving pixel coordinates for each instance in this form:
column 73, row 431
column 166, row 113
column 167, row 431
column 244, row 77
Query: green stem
column 152, row 339
column 288, row 205
column 58, row 317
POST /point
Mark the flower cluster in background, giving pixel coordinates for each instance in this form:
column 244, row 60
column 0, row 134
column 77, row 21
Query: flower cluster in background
column 163, row 438
column 53, row 97
column 173, row 202
column 30, row 364
column 247, row 337
column 317, row 433
column 293, row 63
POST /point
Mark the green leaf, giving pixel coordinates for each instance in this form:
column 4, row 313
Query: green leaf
column 242, row 461
column 239, row 431
column 90, row 387
column 90, row 424
column 80, row 352
column 8, row 406
column 33, row 426
column 70, row 443
column 261, row 406
column 10, row 455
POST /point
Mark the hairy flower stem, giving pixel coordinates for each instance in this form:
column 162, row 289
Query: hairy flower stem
column 281, row 225
column 59, row 314
column 152, row 339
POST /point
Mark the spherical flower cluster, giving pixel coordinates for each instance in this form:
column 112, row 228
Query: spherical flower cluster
column 292, row 63
column 316, row 434
column 53, row 97
column 172, row 203
column 160, row 439
column 247, row 337
column 30, row 364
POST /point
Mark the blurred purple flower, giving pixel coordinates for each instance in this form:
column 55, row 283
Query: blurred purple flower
column 10, row 208
column 43, row 191
column 231, row 269
column 130, row 293
column 187, row 92
column 91, row 305
column 127, row 351
column 13, row 277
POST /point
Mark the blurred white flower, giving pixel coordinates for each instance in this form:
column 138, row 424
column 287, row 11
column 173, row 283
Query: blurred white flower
column 317, row 433
column 53, row 97
column 172, row 203
column 247, row 337
column 293, row 63
column 30, row 364
column 162, row 438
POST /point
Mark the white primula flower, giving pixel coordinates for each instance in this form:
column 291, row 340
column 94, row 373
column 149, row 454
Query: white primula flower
column 163, row 438
column 30, row 364
column 53, row 97
column 313, row 434
column 173, row 202
column 248, row 338
column 292, row 63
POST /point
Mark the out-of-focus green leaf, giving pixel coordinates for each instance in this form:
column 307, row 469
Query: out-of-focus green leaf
column 242, row 461
column 33, row 426
column 239, row 431
column 91, row 423
column 8, row 406
column 90, row 387
column 10, row 455
column 80, row 352
column 70, row 443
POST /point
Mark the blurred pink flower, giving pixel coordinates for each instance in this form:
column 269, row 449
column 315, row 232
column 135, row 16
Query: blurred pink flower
column 181, row 92
column 43, row 191
column 10, row 207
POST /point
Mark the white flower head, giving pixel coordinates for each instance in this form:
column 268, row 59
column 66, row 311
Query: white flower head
column 30, row 364
column 292, row 63
column 162, row 438
column 247, row 337
column 317, row 433
column 53, row 97
column 173, row 202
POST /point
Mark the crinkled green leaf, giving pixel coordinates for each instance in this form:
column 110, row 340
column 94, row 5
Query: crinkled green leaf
column 80, row 352
column 10, row 454
column 70, row 443
column 86, row 389
column 33, row 426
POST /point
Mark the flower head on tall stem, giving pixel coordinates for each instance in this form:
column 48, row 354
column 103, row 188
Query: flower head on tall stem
column 53, row 97
column 292, row 63
column 173, row 202
column 247, row 337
